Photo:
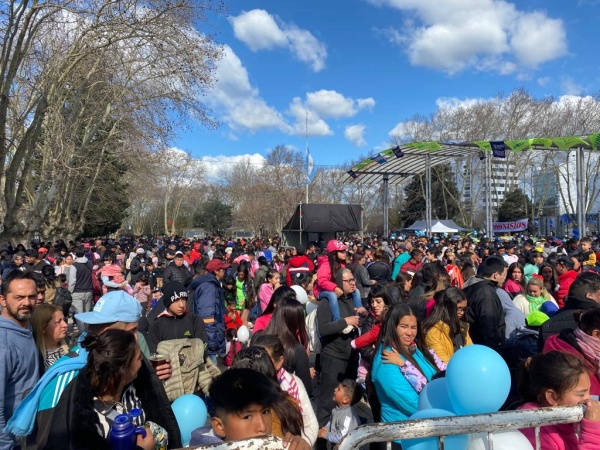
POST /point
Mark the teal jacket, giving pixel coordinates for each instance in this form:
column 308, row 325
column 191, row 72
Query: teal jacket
column 399, row 399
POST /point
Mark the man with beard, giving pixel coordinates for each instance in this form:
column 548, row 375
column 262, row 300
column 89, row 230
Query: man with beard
column 18, row 354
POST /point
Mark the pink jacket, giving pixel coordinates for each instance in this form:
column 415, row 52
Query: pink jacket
column 264, row 295
column 554, row 342
column 563, row 436
column 324, row 282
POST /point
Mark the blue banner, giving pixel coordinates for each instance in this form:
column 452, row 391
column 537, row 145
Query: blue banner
column 498, row 149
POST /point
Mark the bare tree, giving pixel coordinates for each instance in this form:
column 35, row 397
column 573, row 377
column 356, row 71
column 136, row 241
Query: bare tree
column 83, row 83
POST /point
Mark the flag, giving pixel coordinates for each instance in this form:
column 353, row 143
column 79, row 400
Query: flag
column 498, row 149
column 378, row 158
column 310, row 167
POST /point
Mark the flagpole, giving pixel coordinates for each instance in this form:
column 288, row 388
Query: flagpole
column 306, row 136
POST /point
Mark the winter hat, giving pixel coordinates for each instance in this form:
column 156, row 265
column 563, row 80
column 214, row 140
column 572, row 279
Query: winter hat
column 549, row 308
column 536, row 318
column 173, row 291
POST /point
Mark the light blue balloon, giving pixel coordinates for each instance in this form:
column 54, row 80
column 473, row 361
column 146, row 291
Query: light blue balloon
column 435, row 395
column 190, row 412
column 478, row 380
column 459, row 442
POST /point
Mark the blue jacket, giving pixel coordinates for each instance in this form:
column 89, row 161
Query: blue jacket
column 398, row 397
column 209, row 303
column 19, row 371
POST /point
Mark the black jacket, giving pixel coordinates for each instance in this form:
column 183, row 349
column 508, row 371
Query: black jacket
column 486, row 315
column 74, row 420
column 565, row 317
column 167, row 327
column 177, row 273
column 333, row 342
column 137, row 266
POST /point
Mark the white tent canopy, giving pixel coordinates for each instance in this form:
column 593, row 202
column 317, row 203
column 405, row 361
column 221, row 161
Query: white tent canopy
column 437, row 226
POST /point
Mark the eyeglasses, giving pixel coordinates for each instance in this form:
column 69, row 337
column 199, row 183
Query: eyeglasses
column 351, row 280
column 461, row 310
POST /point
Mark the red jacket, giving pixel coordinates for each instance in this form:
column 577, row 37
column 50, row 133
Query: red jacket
column 233, row 320
column 195, row 254
column 369, row 338
column 564, row 281
column 298, row 263
column 410, row 267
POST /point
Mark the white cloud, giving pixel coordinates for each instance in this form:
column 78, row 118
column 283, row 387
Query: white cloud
column 365, row 103
column 333, row 104
column 355, row 134
column 261, row 31
column 216, row 165
column 324, row 104
column 241, row 104
column 570, row 87
column 309, row 123
column 487, row 35
column 241, row 107
column 258, row 30
column 543, row 81
column 399, row 130
column 453, row 102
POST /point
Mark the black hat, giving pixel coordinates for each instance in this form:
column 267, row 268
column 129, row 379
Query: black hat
column 565, row 260
column 172, row 292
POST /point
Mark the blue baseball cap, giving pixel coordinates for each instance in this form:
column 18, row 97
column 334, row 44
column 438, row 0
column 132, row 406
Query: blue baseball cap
column 115, row 306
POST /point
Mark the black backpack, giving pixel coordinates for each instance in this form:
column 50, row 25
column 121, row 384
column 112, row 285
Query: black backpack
column 64, row 299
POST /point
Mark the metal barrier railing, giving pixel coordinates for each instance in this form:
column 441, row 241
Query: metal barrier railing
column 450, row 426
column 437, row 427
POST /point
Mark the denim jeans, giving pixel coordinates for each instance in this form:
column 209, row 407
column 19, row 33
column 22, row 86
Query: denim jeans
column 333, row 302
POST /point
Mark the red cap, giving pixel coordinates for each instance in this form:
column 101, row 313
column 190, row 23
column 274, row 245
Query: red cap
column 42, row 250
column 216, row 264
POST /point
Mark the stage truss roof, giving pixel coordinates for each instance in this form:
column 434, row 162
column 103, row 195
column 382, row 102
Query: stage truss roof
column 403, row 161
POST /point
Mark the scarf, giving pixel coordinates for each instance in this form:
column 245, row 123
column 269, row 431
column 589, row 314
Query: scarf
column 288, row 384
column 23, row 419
column 590, row 346
column 535, row 302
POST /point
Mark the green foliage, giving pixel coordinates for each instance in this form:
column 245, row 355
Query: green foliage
column 444, row 196
column 516, row 205
column 214, row 216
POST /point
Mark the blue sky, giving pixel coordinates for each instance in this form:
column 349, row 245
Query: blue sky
column 360, row 68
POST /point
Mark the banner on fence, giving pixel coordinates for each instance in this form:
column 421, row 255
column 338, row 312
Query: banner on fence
column 508, row 227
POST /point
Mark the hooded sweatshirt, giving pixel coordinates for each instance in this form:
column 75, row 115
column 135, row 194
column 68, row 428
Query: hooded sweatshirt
column 20, row 371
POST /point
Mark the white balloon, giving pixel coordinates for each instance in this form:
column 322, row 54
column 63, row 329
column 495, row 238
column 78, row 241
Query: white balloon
column 300, row 294
column 243, row 334
column 503, row 440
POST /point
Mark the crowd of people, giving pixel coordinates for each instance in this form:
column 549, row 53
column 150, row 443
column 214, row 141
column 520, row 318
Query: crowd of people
column 290, row 339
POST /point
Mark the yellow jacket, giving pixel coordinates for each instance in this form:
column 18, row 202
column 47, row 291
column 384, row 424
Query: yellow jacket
column 438, row 339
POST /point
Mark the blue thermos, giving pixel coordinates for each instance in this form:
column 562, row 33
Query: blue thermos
column 123, row 433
